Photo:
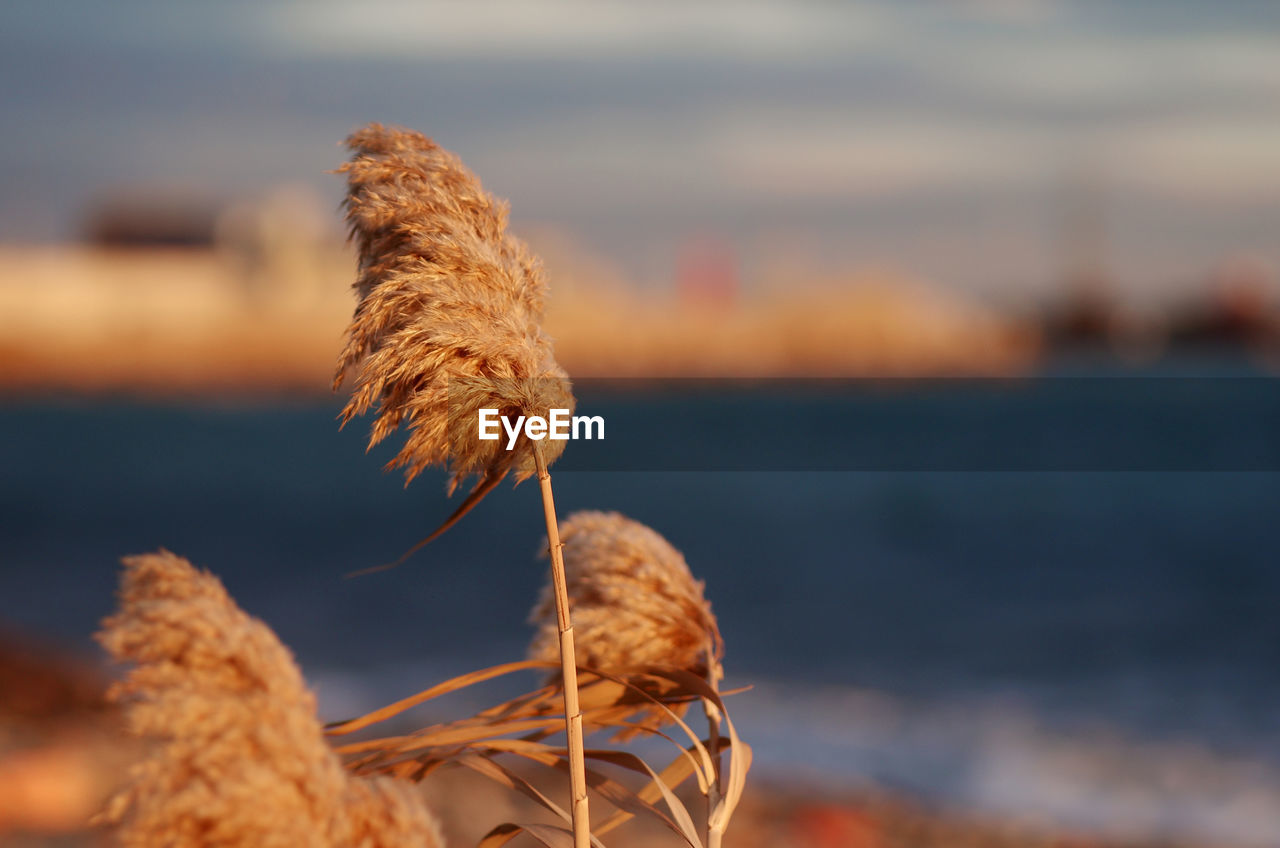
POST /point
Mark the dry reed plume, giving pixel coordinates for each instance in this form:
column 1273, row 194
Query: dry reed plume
column 239, row 758
column 638, row 606
column 449, row 312
column 447, row 324
column 654, row 649
column 635, row 602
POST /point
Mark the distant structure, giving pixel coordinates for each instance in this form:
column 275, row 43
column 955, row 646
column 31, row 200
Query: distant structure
column 1087, row 314
column 142, row 219
column 1235, row 309
column 279, row 243
column 276, row 245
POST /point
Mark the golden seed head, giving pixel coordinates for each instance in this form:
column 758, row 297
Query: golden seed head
column 448, row 320
column 239, row 757
column 634, row 601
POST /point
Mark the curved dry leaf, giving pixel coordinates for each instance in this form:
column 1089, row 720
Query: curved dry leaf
column 538, row 715
column 500, row 835
column 452, row 685
column 690, row 831
column 612, row 791
column 486, row 766
column 740, row 759
column 707, row 773
column 549, row 835
column 676, row 772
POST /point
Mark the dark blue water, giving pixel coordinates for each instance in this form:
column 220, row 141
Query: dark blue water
column 952, row 633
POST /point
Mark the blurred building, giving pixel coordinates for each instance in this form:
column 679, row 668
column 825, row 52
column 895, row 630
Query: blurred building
column 152, row 219
column 1235, row 309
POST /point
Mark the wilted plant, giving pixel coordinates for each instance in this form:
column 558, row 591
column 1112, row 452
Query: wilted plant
column 239, row 758
column 447, row 324
column 661, row 653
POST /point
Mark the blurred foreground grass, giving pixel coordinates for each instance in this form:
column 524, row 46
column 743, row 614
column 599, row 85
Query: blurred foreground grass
column 63, row 750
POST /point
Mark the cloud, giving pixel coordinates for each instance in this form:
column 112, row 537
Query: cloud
column 567, row 29
column 766, row 154
column 1099, row 69
column 1010, row 11
column 813, row 153
column 1199, row 160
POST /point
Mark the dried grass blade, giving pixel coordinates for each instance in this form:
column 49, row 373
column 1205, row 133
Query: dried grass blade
column 443, row 735
column 687, row 682
column 496, row 771
column 740, row 762
column 456, row 735
column 686, row 754
column 609, row 789
column 549, row 835
column 486, row 485
column 673, row 775
column 537, row 751
column 452, row 685
column 707, row 772
column 678, row 810
column 740, row 759
column 528, row 704
column 500, row 835
column 371, row 746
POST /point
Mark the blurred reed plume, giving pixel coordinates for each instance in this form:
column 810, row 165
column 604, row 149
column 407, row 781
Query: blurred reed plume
column 449, row 312
column 239, row 758
column 635, row 602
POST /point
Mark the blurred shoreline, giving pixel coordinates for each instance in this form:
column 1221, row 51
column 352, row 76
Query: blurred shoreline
column 174, row 295
column 270, row 319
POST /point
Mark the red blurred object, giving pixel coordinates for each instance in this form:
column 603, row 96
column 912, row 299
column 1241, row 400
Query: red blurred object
column 834, row 826
column 707, row 273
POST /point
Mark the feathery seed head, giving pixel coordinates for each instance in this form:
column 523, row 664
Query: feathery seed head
column 449, row 312
column 240, row 759
column 634, row 601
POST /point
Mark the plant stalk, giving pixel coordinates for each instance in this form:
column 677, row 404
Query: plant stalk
column 568, row 662
column 715, row 792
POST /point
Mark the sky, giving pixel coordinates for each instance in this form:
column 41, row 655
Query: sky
column 948, row 140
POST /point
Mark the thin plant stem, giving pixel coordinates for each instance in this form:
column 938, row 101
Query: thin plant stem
column 715, row 792
column 568, row 662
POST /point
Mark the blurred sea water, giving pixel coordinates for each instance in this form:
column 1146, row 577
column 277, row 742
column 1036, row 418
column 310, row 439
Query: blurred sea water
column 1094, row 647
